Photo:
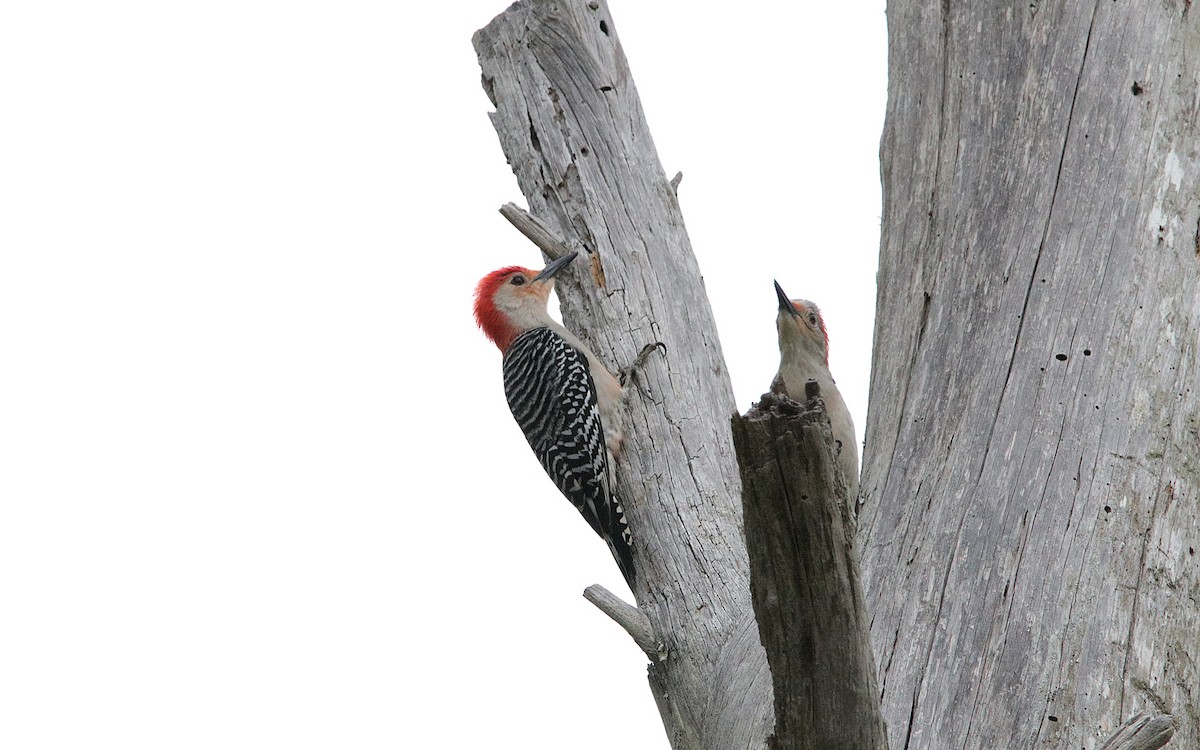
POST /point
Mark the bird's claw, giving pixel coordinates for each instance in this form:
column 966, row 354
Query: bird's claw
column 630, row 372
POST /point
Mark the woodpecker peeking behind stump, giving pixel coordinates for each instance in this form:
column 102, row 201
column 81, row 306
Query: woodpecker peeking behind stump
column 563, row 397
column 804, row 356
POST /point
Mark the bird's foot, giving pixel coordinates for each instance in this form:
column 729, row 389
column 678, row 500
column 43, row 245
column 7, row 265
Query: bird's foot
column 628, row 374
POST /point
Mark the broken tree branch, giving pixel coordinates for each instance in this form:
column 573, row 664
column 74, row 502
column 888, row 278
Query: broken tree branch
column 804, row 577
column 1140, row 732
column 630, row 618
column 536, row 230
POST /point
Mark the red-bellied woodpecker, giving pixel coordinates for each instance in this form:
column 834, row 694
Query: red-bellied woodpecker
column 561, row 395
column 804, row 356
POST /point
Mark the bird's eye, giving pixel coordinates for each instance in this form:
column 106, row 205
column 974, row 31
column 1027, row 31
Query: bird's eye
column 812, row 319
column 517, row 280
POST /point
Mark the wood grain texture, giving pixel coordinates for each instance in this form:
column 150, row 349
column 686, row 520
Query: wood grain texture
column 572, row 129
column 804, row 577
column 1031, row 480
column 631, row 619
column 1141, row 732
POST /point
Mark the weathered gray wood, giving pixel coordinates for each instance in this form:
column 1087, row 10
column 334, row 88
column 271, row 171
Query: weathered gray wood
column 1141, row 732
column 804, row 578
column 546, row 239
column 572, row 128
column 1031, row 481
column 630, row 618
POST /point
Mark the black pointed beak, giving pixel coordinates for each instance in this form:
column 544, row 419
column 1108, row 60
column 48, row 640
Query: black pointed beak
column 784, row 302
column 555, row 266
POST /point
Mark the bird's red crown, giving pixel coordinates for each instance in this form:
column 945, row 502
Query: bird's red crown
column 492, row 321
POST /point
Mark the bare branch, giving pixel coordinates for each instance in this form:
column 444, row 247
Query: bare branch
column 630, row 618
column 536, row 230
column 1140, row 732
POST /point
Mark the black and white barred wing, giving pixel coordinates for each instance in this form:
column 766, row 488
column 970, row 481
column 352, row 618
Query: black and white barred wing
column 553, row 399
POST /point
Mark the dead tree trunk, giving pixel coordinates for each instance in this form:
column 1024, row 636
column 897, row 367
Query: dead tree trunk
column 1032, row 468
column 805, row 580
column 572, row 128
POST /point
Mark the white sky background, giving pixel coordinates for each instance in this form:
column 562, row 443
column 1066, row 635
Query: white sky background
column 259, row 486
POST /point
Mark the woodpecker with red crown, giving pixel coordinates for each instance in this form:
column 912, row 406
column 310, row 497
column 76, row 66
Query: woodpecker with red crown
column 563, row 397
column 804, row 356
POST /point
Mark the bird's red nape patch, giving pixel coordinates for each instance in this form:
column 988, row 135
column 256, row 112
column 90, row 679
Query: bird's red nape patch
column 824, row 335
column 493, row 322
column 805, row 307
